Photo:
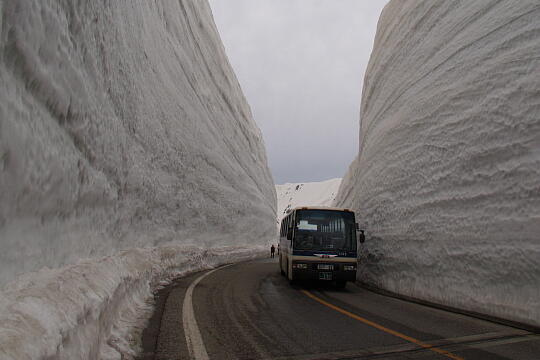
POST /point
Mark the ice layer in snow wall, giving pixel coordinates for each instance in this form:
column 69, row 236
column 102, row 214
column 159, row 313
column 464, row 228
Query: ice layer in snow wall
column 447, row 179
column 122, row 125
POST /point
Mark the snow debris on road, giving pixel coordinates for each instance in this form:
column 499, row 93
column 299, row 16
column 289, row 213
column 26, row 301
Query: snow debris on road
column 447, row 180
column 97, row 309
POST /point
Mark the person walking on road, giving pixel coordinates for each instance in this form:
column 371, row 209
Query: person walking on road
column 272, row 251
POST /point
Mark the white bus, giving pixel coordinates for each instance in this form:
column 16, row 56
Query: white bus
column 318, row 243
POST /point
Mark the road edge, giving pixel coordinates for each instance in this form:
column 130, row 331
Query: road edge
column 150, row 333
column 194, row 340
column 494, row 319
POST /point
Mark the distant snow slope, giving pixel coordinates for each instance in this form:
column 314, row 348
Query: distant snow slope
column 447, row 180
column 122, row 126
column 320, row 193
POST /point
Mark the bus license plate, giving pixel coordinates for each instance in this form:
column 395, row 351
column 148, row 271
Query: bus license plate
column 325, row 276
column 325, row 267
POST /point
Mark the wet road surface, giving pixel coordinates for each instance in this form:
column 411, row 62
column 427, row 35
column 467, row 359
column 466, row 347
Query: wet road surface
column 249, row 311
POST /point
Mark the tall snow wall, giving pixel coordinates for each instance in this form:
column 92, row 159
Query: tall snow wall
column 122, row 125
column 447, row 179
column 128, row 156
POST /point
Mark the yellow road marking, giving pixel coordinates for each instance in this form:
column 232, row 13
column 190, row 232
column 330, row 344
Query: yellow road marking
column 382, row 328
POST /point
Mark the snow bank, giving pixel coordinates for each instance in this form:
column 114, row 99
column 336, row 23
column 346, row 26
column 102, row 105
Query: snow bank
column 447, row 180
column 122, row 125
column 124, row 138
column 291, row 195
column 90, row 310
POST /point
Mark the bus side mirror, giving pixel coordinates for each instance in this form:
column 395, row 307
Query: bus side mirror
column 289, row 233
column 361, row 236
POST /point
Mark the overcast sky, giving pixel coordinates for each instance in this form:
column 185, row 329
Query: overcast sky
column 301, row 66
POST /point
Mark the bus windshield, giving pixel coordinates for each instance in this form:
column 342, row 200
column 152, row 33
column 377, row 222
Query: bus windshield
column 325, row 230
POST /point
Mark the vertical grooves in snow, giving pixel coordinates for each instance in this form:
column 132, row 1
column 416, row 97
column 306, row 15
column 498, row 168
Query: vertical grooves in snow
column 123, row 125
column 447, row 180
column 128, row 155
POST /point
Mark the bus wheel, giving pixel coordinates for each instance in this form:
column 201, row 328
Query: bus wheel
column 341, row 284
column 291, row 280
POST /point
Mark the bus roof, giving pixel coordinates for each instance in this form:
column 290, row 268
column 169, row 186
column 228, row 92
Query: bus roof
column 318, row 208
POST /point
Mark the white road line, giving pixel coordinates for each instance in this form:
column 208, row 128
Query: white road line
column 195, row 344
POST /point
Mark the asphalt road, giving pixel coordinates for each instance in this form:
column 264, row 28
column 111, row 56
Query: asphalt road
column 249, row 311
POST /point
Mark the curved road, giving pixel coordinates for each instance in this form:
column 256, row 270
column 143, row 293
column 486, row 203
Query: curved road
column 249, row 311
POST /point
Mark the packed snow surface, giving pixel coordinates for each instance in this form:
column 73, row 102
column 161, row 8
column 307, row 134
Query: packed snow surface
column 96, row 309
column 447, row 179
column 122, row 129
column 291, row 195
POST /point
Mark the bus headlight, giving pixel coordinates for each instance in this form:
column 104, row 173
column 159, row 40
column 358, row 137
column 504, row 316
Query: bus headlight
column 349, row 267
column 299, row 266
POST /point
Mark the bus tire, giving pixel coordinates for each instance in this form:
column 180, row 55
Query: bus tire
column 289, row 276
column 292, row 281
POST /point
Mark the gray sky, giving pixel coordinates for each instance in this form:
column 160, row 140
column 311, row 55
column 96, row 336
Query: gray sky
column 301, row 66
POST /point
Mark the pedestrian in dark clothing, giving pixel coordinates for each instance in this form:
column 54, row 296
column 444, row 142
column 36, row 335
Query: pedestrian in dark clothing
column 272, row 250
column 278, row 249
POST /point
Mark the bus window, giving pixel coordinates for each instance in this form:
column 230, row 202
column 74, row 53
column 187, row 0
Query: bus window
column 324, row 230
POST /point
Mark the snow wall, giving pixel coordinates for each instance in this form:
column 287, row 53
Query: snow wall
column 122, row 126
column 447, row 179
